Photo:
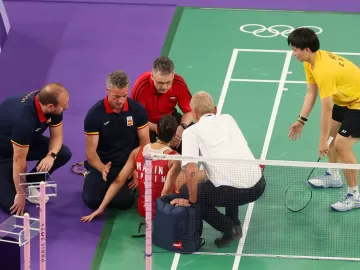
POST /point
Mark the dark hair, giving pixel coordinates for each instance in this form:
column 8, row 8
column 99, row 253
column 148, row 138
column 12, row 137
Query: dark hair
column 163, row 65
column 49, row 94
column 167, row 127
column 304, row 38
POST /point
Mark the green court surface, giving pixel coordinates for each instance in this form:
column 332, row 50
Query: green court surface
column 258, row 82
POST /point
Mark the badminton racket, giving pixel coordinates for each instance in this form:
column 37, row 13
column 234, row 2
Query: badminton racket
column 79, row 168
column 298, row 195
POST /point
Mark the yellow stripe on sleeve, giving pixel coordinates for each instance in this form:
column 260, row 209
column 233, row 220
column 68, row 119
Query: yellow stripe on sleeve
column 144, row 126
column 91, row 133
column 20, row 145
column 56, row 125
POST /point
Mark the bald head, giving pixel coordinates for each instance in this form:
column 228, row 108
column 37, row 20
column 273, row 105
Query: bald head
column 53, row 98
column 51, row 94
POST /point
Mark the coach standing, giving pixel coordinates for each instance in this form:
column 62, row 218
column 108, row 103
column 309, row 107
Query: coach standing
column 228, row 185
column 23, row 119
column 159, row 91
column 114, row 126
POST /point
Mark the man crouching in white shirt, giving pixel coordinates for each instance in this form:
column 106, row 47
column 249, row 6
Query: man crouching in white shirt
column 229, row 184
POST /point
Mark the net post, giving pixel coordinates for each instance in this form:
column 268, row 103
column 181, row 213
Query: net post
column 42, row 227
column 27, row 257
column 148, row 212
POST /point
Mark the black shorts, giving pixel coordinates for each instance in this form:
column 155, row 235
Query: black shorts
column 349, row 119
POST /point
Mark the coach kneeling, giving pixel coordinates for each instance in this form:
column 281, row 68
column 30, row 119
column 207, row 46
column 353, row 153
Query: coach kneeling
column 227, row 185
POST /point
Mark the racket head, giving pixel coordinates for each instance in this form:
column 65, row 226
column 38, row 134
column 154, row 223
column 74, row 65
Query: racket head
column 298, row 196
column 79, row 168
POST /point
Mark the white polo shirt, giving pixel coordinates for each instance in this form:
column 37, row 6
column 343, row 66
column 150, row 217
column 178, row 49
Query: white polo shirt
column 219, row 136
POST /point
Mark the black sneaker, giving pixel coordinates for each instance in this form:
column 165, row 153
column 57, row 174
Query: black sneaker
column 236, row 234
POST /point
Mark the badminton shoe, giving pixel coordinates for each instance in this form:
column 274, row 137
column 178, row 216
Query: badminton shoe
column 35, row 196
column 326, row 181
column 227, row 238
column 349, row 202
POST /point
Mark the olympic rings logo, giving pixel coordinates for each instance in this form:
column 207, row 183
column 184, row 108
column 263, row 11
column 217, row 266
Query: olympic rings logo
column 274, row 31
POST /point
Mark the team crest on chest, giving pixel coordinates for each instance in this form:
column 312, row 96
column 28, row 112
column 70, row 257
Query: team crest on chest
column 129, row 121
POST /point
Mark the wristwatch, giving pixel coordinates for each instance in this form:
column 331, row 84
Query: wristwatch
column 190, row 202
column 53, row 155
column 184, row 126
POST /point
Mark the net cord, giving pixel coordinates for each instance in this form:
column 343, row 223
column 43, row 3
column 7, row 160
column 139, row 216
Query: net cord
column 281, row 163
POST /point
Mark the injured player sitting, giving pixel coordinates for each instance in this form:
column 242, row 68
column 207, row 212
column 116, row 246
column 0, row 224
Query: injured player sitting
column 164, row 175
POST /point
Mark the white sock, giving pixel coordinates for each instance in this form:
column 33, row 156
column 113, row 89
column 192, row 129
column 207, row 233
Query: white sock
column 334, row 172
column 353, row 190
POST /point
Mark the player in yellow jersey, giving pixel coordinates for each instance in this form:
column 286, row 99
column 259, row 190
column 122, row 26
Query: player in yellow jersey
column 337, row 80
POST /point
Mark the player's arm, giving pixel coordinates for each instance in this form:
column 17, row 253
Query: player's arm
column 190, row 147
column 192, row 184
column 144, row 135
column 173, row 173
column 187, row 118
column 115, row 186
column 153, row 127
column 327, row 90
column 19, row 165
column 92, row 141
column 184, row 98
column 119, row 180
column 92, row 131
column 56, row 134
column 311, row 93
column 326, row 117
column 21, row 136
column 309, row 100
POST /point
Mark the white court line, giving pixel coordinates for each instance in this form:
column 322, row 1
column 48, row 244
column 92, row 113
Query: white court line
column 267, row 81
column 175, row 261
column 287, row 51
column 303, row 257
column 282, row 256
column 249, row 9
column 262, row 50
column 4, row 16
column 227, row 81
column 219, row 108
column 265, row 149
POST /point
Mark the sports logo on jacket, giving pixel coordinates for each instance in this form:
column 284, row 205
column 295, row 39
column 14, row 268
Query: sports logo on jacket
column 129, row 121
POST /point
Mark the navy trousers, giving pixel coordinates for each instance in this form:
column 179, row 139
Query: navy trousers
column 38, row 150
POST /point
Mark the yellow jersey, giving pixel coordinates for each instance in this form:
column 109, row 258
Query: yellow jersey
column 335, row 76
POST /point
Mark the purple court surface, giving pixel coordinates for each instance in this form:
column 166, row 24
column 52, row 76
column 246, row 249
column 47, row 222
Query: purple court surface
column 77, row 43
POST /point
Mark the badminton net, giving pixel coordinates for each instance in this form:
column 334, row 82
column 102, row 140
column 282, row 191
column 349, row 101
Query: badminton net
column 269, row 228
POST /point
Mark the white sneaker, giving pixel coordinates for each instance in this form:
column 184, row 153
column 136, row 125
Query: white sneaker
column 349, row 202
column 326, row 181
column 36, row 199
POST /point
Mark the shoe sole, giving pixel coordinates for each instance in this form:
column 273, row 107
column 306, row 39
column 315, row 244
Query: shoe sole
column 336, row 210
column 323, row 187
column 237, row 237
